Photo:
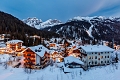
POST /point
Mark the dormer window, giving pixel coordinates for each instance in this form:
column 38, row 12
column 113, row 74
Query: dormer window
column 39, row 50
column 35, row 50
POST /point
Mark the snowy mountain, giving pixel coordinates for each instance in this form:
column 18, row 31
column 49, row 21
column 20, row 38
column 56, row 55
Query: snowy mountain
column 97, row 27
column 38, row 24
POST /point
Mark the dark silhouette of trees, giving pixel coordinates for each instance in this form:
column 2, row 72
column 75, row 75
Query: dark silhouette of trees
column 18, row 30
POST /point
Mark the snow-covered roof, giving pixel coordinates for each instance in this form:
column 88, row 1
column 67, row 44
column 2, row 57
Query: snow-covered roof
column 96, row 48
column 40, row 50
column 14, row 41
column 23, row 46
column 2, row 44
column 71, row 59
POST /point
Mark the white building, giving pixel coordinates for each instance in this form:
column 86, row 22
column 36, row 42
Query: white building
column 93, row 55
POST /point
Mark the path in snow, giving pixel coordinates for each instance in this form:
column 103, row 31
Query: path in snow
column 90, row 30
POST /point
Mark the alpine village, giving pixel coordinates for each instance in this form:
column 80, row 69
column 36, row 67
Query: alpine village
column 74, row 44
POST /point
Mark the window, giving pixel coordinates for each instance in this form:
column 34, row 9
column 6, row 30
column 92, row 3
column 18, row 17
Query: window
column 98, row 58
column 92, row 62
column 101, row 52
column 95, row 62
column 108, row 56
column 28, row 59
column 92, row 57
column 107, row 61
column 95, row 57
column 105, row 56
column 89, row 57
column 89, row 63
column 28, row 54
column 101, row 57
column 101, row 61
column 98, row 53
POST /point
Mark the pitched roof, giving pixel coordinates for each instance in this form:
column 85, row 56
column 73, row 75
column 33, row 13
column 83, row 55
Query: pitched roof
column 71, row 59
column 40, row 50
column 14, row 41
column 96, row 48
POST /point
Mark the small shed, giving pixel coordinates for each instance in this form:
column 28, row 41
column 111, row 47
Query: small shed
column 73, row 62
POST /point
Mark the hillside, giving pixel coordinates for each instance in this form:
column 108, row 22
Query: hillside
column 84, row 28
column 100, row 28
column 18, row 30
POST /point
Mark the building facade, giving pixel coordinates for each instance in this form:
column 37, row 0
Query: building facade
column 35, row 56
column 93, row 55
column 31, row 58
column 15, row 45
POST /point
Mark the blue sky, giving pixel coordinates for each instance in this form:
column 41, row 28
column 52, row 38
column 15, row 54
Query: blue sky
column 60, row 9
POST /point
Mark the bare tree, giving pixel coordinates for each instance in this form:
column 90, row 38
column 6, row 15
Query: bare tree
column 28, row 66
column 5, row 65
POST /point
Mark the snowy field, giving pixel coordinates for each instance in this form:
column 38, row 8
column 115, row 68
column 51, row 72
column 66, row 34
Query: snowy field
column 109, row 72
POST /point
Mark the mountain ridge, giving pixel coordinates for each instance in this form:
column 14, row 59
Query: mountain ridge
column 96, row 27
column 39, row 24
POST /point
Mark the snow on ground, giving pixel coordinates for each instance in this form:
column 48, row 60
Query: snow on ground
column 53, row 73
column 108, row 72
column 4, row 57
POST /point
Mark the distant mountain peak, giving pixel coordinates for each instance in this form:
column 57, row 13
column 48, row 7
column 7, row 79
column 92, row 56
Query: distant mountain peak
column 38, row 24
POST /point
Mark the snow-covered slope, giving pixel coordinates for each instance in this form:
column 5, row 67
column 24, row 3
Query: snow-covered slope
column 106, row 72
column 98, row 27
column 109, row 72
column 33, row 22
column 38, row 24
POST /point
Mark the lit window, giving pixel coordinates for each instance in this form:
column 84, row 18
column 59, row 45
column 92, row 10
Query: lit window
column 101, row 57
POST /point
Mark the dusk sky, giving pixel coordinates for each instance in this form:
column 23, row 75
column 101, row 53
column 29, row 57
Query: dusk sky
column 60, row 9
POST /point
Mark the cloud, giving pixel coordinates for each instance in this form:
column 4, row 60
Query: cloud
column 108, row 8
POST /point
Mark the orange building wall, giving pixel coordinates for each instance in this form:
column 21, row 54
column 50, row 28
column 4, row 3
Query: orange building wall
column 29, row 56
